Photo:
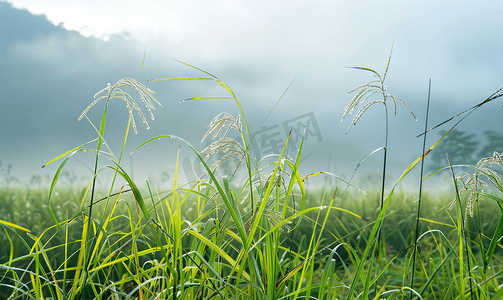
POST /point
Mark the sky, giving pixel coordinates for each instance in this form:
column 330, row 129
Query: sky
column 55, row 55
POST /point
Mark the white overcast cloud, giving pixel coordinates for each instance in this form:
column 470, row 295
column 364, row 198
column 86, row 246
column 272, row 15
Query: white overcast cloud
column 176, row 20
column 293, row 33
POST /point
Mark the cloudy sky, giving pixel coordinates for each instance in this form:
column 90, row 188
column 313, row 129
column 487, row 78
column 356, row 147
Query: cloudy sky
column 55, row 55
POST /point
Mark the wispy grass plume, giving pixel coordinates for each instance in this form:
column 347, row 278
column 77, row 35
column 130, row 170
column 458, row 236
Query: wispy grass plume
column 116, row 92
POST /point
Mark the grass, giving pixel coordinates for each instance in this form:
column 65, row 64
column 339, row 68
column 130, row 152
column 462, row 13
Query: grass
column 366, row 91
column 347, row 229
column 264, row 237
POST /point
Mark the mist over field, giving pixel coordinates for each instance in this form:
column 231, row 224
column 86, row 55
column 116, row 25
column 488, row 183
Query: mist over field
column 49, row 74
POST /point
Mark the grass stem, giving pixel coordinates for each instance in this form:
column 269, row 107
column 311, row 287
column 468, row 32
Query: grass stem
column 420, row 192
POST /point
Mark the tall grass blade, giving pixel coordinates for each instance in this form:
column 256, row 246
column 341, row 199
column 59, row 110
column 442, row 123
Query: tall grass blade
column 462, row 236
column 14, row 226
column 189, row 65
column 279, row 99
column 420, row 192
column 498, row 233
column 53, row 185
column 220, row 251
column 66, row 153
column 143, row 61
column 180, row 78
column 494, row 96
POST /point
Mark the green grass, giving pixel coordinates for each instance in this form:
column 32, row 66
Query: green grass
column 344, row 228
column 265, row 237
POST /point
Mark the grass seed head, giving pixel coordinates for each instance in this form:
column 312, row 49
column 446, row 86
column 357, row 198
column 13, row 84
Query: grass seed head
column 115, row 92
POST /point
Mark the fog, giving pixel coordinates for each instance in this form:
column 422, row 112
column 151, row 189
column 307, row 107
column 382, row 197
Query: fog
column 49, row 75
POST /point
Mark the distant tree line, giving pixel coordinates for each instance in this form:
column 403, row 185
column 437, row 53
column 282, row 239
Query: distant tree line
column 464, row 149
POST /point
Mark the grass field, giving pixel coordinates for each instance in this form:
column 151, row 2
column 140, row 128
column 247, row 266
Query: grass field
column 268, row 236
